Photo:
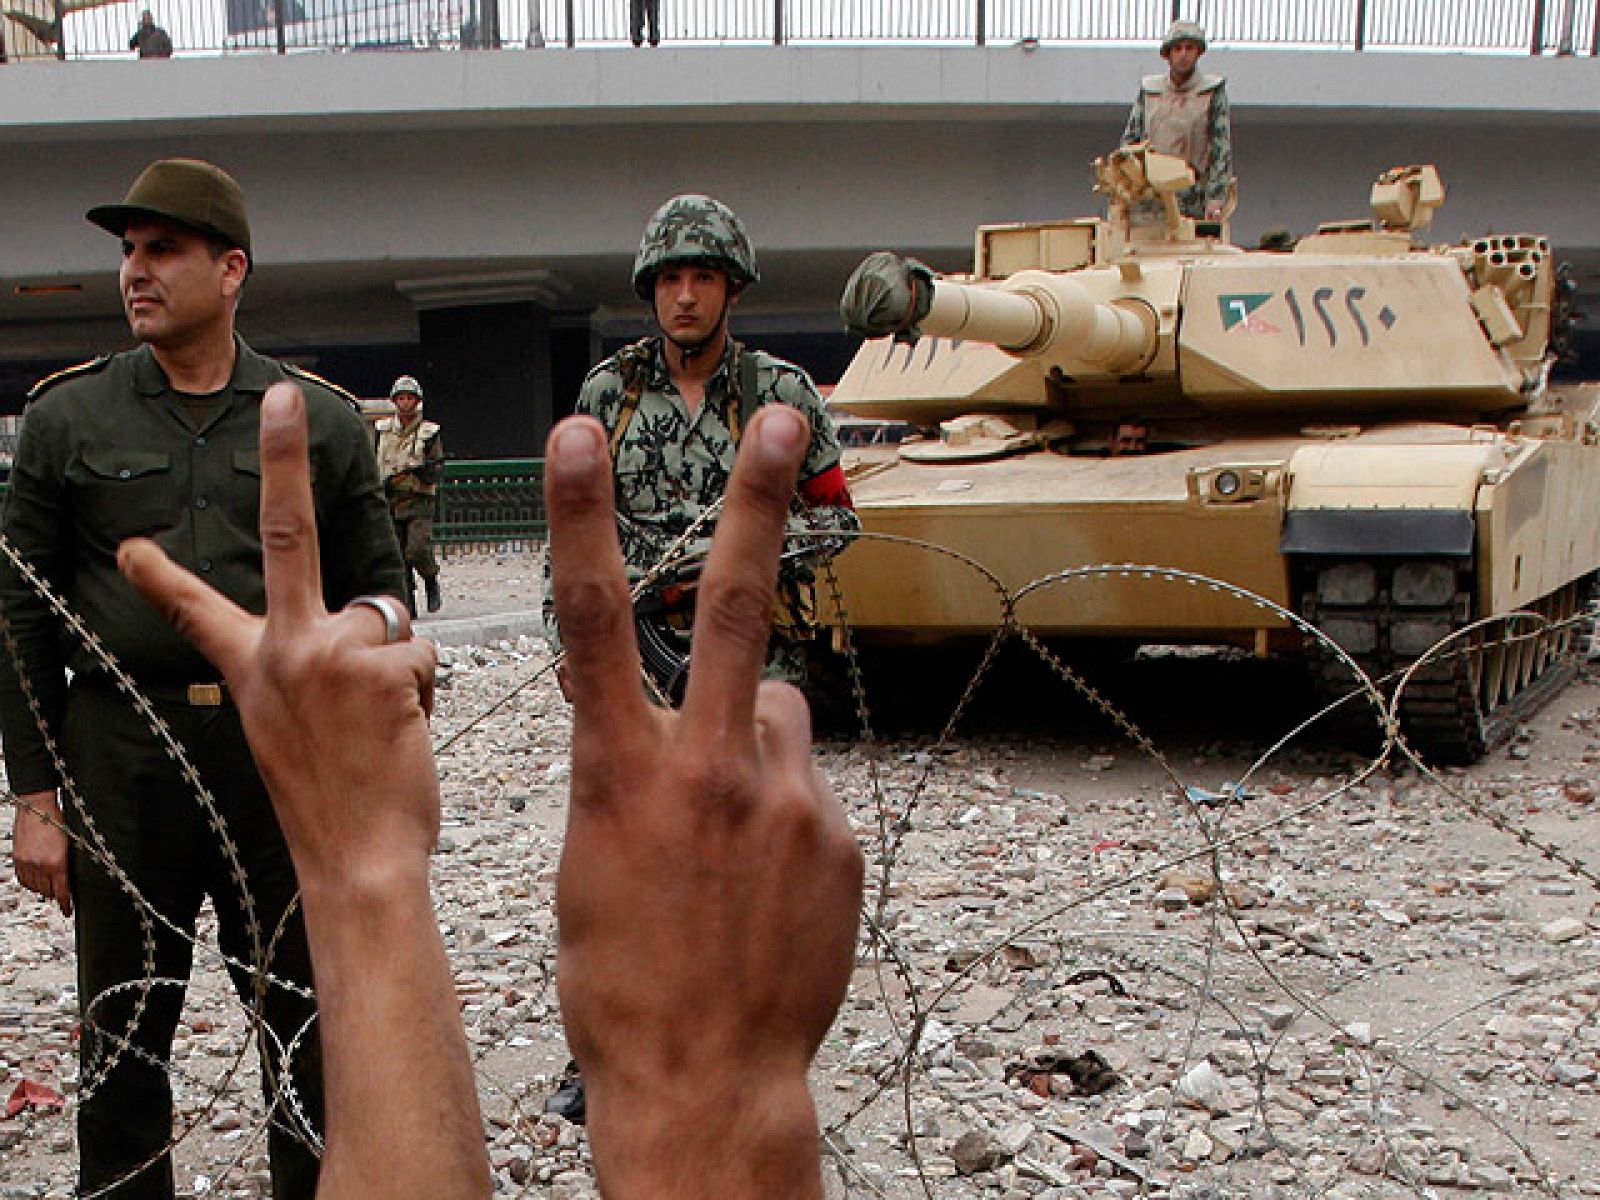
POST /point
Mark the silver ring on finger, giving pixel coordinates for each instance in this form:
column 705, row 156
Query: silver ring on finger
column 387, row 607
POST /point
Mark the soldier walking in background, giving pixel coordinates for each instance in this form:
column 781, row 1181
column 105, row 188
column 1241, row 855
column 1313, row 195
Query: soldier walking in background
column 1185, row 113
column 161, row 442
column 411, row 462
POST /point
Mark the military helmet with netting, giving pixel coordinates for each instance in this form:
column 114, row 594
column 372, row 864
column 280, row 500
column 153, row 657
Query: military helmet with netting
column 694, row 231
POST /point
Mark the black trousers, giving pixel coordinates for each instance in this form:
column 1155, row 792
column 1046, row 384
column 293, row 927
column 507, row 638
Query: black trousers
column 640, row 11
column 149, row 821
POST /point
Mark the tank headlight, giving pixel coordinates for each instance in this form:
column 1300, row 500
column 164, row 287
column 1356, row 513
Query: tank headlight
column 1233, row 485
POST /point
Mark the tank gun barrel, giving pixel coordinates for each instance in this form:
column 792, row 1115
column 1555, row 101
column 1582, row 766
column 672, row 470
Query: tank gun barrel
column 1033, row 314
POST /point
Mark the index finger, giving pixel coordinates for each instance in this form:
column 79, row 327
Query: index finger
column 288, row 521
column 733, row 612
column 587, row 579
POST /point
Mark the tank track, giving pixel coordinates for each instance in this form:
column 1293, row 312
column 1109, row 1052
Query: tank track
column 1457, row 709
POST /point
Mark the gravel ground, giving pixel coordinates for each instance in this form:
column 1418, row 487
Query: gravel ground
column 1080, row 979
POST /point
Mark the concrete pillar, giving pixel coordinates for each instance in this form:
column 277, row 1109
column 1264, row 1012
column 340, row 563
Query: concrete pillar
column 488, row 360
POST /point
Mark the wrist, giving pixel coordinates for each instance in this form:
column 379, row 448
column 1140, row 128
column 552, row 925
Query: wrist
column 43, row 805
column 364, row 894
column 750, row 1135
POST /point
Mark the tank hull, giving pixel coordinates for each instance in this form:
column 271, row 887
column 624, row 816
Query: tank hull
column 1132, row 549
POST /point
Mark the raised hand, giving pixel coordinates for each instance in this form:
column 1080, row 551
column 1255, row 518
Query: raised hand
column 709, row 886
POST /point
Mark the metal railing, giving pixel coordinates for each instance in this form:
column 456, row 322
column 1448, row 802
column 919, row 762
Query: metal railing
column 491, row 502
column 290, row 26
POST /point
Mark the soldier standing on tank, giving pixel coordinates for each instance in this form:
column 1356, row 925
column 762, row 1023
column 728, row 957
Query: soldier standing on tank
column 411, row 463
column 1185, row 113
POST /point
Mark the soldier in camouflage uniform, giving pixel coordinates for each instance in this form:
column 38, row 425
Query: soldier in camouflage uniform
column 675, row 404
column 1185, row 113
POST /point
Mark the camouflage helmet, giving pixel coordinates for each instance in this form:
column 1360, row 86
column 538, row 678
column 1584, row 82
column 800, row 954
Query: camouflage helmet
column 694, row 230
column 1183, row 31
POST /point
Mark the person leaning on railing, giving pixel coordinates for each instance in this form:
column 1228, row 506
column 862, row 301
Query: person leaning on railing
column 150, row 40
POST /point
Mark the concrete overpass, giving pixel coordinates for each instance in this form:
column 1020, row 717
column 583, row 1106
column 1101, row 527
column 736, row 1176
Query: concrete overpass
column 472, row 216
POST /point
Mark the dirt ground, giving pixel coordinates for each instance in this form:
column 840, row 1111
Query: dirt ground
column 1087, row 971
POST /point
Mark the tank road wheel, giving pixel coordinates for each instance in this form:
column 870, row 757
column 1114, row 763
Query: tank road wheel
column 1386, row 614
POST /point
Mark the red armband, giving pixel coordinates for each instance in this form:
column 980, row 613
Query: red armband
column 827, row 490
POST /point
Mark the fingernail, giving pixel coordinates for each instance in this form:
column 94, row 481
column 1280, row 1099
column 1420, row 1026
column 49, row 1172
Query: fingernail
column 574, row 446
column 280, row 399
column 783, row 429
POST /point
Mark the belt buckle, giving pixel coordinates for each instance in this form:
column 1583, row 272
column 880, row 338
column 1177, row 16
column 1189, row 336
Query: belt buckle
column 205, row 695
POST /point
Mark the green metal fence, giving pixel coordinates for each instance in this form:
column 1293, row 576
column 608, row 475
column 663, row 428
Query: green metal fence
column 491, row 501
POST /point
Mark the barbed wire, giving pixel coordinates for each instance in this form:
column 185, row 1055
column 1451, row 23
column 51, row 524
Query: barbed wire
column 1228, row 1022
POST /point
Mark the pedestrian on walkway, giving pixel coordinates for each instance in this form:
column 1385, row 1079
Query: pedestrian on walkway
column 150, row 40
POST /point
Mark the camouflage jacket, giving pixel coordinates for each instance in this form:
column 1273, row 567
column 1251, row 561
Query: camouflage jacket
column 671, row 467
column 1191, row 122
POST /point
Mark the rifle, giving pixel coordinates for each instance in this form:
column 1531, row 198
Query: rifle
column 663, row 646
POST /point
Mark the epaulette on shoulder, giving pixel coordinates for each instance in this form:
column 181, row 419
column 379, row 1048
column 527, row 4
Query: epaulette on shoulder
column 93, row 367
column 301, row 373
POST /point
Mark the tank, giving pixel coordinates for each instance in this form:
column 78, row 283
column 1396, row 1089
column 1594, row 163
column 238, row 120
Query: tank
column 1356, row 428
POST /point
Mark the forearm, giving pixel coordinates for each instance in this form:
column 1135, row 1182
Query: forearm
column 1134, row 130
column 1219, row 163
column 33, row 683
column 432, row 469
column 382, row 981
column 23, row 726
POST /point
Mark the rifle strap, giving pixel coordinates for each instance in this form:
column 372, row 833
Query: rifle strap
column 633, row 364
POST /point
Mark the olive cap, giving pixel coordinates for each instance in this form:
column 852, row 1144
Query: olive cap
column 1183, row 31
column 694, row 230
column 406, row 383
column 186, row 191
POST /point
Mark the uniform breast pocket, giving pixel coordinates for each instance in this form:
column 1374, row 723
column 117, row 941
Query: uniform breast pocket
column 122, row 491
column 241, row 495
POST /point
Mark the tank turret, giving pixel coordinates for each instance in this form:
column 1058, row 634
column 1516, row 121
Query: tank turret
column 1150, row 309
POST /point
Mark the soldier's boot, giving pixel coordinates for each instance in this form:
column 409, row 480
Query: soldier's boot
column 435, row 601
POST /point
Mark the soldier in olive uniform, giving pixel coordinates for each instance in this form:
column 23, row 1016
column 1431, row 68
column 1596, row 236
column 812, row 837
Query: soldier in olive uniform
column 1185, row 113
column 161, row 441
column 411, row 463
